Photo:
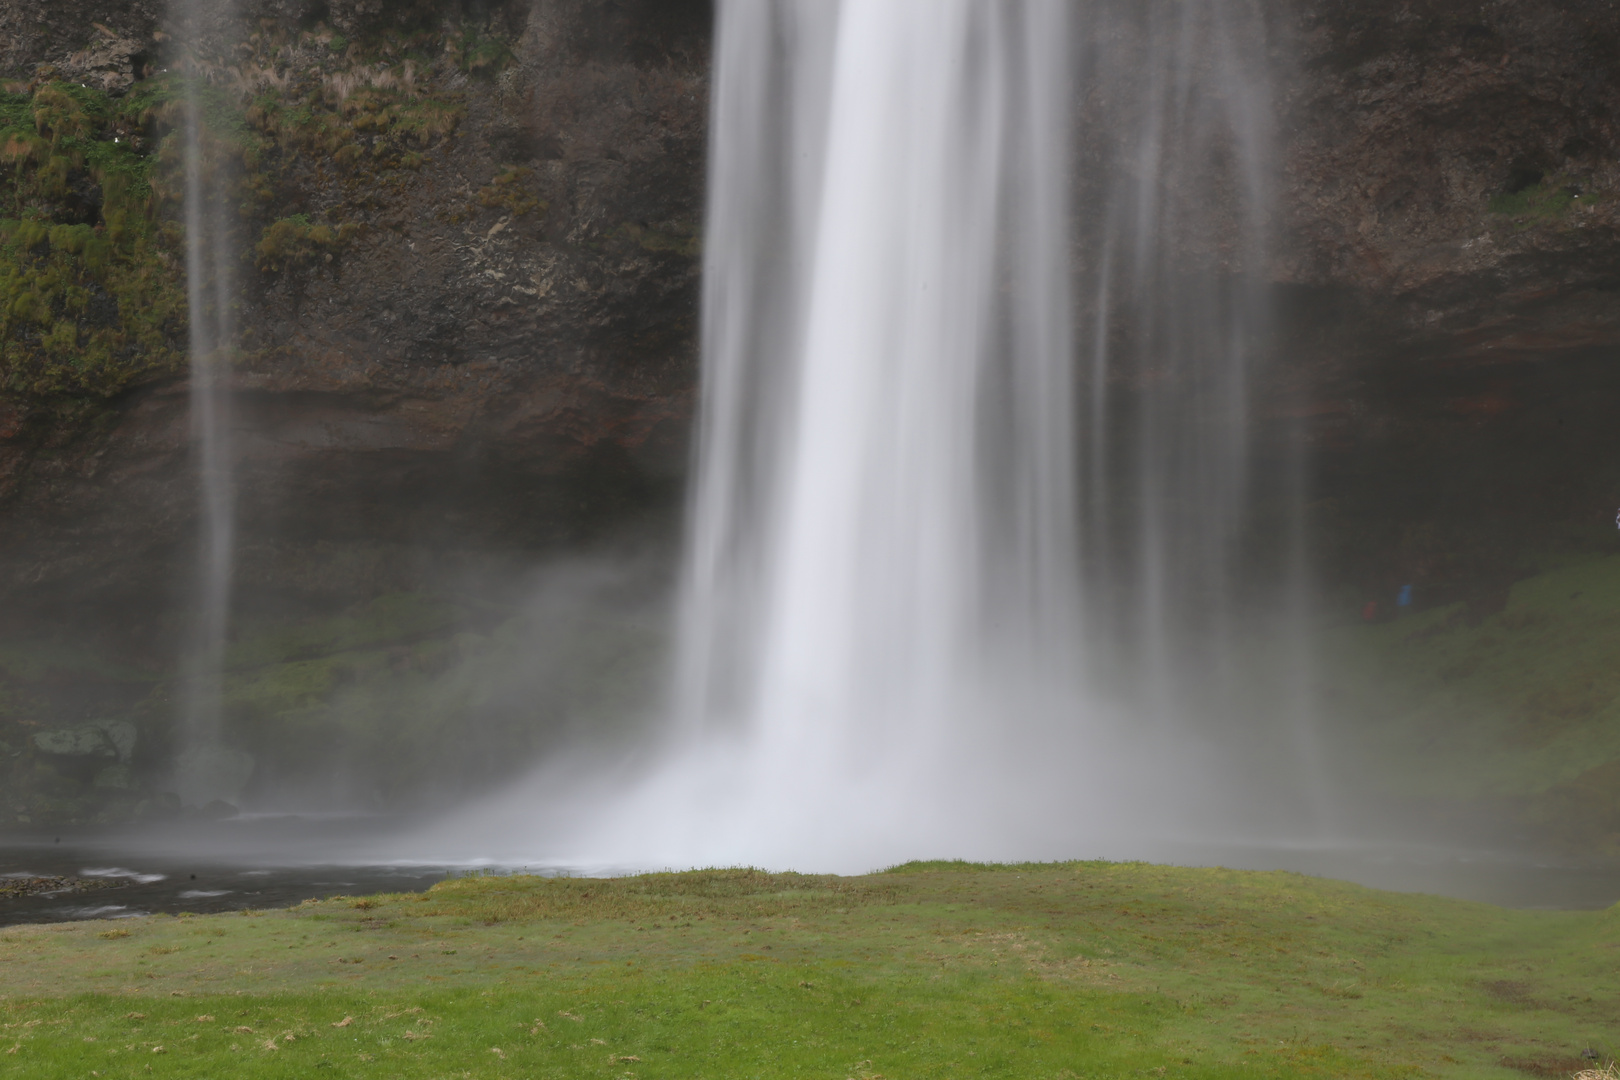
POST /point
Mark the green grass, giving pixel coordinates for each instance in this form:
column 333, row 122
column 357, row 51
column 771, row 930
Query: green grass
column 942, row 970
column 1519, row 709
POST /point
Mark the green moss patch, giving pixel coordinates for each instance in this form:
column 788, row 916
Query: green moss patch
column 92, row 296
column 362, row 107
column 1547, row 201
column 480, row 50
column 296, row 241
column 393, row 618
column 91, row 291
column 509, row 191
column 680, row 238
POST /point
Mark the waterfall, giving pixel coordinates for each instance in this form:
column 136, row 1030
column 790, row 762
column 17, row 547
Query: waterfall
column 883, row 522
column 205, row 770
column 879, row 617
column 975, row 474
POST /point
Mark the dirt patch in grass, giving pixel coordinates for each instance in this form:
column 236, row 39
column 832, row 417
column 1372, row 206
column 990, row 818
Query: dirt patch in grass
column 1561, row 1067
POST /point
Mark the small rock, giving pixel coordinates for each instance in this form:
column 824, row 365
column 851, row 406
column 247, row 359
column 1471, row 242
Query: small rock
column 164, row 805
column 218, row 810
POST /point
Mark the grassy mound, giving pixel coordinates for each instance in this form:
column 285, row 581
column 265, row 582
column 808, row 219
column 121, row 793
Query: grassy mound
column 932, row 970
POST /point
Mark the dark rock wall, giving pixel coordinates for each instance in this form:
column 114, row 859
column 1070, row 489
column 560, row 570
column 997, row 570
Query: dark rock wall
column 1447, row 253
column 501, row 358
column 1450, row 274
column 50, row 31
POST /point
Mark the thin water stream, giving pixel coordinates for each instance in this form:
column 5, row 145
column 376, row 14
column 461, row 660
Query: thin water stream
column 205, row 770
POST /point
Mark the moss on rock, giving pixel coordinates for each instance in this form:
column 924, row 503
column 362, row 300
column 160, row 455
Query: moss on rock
column 510, row 191
column 91, row 291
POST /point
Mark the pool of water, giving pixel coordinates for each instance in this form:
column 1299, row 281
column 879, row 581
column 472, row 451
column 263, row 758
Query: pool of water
column 198, row 867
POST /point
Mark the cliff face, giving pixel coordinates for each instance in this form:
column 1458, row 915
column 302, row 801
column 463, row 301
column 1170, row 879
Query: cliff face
column 1449, row 267
column 469, row 299
column 1423, row 139
column 467, row 307
column 468, row 311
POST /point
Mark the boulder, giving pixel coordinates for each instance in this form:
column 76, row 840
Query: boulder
column 114, row 739
column 160, row 807
column 218, row 810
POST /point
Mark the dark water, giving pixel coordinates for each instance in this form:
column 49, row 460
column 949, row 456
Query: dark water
column 200, row 867
column 280, row 861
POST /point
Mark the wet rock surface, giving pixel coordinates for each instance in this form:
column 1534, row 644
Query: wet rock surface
column 56, row 31
column 17, row 887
